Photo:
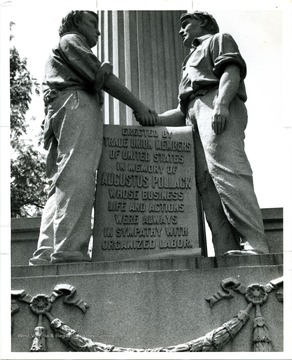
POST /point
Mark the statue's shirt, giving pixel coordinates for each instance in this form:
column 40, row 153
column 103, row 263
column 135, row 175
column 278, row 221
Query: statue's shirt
column 73, row 65
column 205, row 64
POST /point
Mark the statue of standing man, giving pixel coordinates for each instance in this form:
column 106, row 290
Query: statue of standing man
column 212, row 100
column 74, row 78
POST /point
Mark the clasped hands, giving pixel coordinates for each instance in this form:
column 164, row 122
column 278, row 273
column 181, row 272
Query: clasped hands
column 146, row 116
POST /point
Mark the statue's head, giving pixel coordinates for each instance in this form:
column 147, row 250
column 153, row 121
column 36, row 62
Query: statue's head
column 83, row 21
column 72, row 19
column 208, row 21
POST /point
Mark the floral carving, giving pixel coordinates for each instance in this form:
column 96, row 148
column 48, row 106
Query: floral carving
column 256, row 294
column 40, row 304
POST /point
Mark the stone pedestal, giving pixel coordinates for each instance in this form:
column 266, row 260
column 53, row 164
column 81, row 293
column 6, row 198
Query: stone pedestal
column 149, row 303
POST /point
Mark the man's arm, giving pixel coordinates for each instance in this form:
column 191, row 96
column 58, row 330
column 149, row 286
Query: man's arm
column 228, row 87
column 114, row 87
column 173, row 117
column 80, row 57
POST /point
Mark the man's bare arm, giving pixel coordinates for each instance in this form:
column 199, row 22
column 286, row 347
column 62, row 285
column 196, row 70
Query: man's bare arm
column 228, row 87
column 172, row 117
column 114, row 87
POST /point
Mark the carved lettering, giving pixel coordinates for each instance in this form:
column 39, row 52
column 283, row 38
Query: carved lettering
column 166, row 134
column 138, row 143
column 171, row 169
column 112, row 179
column 137, row 207
column 168, row 158
column 127, row 244
column 146, row 193
column 176, row 231
column 115, row 142
column 147, row 168
column 135, row 155
column 108, row 232
column 159, row 219
column 114, row 154
column 166, row 207
column 162, row 195
column 135, row 232
column 126, row 219
column 120, row 166
column 169, row 145
column 123, row 194
column 116, row 206
column 142, row 132
column 175, row 243
column 171, row 183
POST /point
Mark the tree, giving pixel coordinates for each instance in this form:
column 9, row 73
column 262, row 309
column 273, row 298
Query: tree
column 28, row 186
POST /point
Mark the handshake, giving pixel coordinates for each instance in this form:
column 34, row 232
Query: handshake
column 146, row 116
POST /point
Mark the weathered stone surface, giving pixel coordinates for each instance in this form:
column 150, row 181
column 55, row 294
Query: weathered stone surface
column 147, row 304
column 146, row 202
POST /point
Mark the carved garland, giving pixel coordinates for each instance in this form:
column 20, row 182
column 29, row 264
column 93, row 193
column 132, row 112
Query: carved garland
column 255, row 295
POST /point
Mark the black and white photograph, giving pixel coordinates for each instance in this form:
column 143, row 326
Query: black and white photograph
column 145, row 152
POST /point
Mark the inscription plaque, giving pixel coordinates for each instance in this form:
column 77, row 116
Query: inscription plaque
column 146, row 199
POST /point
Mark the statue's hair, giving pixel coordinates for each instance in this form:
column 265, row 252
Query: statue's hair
column 68, row 21
column 211, row 24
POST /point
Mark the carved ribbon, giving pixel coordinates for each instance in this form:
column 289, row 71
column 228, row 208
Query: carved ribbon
column 227, row 285
column 70, row 299
column 21, row 295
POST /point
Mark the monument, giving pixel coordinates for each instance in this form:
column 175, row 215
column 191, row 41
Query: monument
column 150, row 286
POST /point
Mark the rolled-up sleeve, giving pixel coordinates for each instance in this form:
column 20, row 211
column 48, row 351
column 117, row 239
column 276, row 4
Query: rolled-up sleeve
column 225, row 52
column 82, row 60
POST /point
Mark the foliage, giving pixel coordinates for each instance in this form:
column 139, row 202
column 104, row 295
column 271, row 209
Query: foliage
column 28, row 187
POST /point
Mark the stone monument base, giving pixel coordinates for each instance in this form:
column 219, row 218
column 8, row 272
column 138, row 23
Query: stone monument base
column 150, row 304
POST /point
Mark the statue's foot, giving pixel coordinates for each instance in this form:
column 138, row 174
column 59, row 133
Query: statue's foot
column 61, row 257
column 69, row 260
column 39, row 261
column 244, row 252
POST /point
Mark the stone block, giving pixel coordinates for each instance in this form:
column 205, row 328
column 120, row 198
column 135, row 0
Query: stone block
column 150, row 303
column 24, row 238
column 146, row 200
column 273, row 223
